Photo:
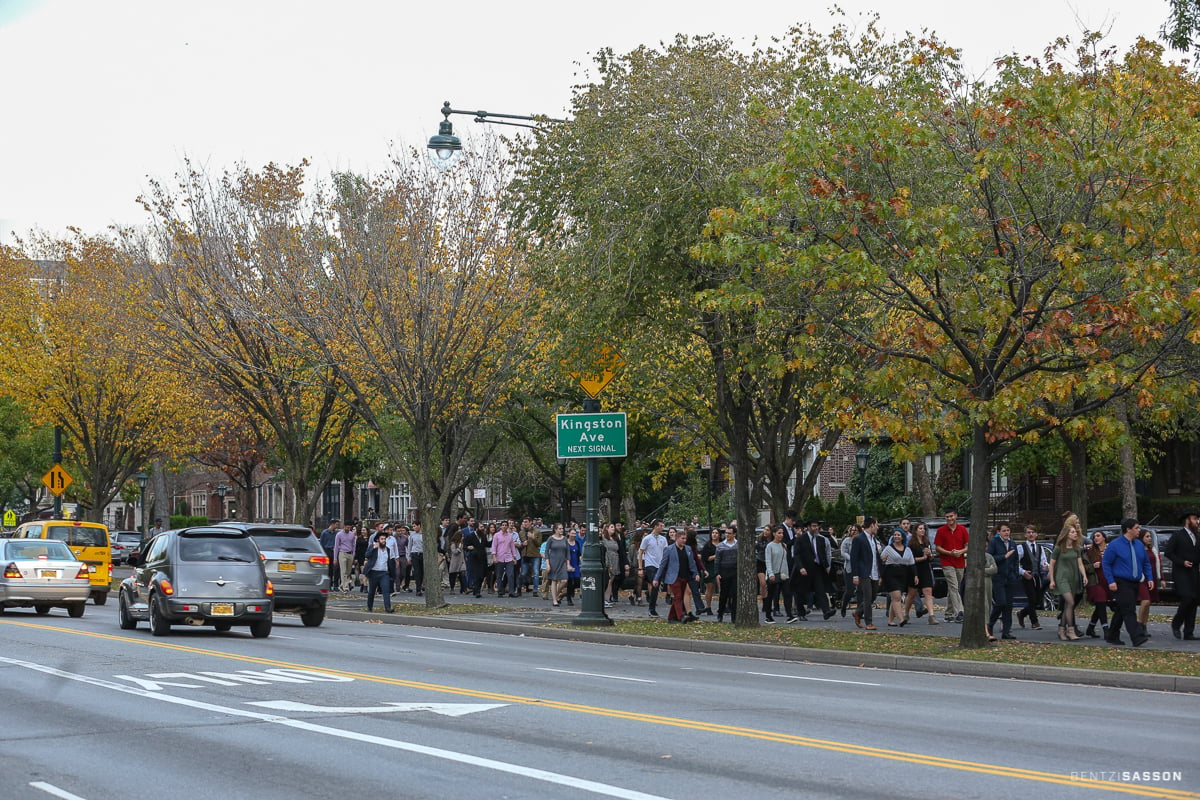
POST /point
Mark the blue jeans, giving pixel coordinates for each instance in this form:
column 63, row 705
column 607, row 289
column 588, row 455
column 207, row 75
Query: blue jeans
column 378, row 580
column 506, row 577
column 531, row 573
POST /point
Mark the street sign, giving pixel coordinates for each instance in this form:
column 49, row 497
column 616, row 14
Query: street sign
column 10, row 518
column 591, row 435
column 608, row 363
column 57, row 480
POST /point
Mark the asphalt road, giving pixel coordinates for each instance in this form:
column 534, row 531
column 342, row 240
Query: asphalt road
column 361, row 709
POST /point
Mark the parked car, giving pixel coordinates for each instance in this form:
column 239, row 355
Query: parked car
column 1162, row 535
column 123, row 544
column 198, row 576
column 296, row 565
column 43, row 574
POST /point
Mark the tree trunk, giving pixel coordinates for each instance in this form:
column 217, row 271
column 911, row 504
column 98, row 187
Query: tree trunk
column 974, row 600
column 1129, row 501
column 1079, row 478
column 747, row 580
column 924, row 484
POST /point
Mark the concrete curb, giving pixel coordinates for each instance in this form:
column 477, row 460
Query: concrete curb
column 940, row 666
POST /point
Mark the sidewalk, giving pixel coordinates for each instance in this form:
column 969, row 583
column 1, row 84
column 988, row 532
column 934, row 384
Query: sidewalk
column 534, row 617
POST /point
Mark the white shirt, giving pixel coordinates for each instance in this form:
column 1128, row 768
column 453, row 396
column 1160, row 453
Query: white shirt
column 652, row 549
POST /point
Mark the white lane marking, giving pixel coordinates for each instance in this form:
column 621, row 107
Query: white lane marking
column 50, row 788
column 440, row 639
column 445, row 709
column 802, row 678
column 280, row 636
column 595, row 675
column 396, row 744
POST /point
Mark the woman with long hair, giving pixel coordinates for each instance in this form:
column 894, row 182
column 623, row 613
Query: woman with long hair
column 456, row 567
column 760, row 560
column 1097, row 585
column 849, row 589
column 558, row 556
column 1146, row 595
column 635, row 591
column 574, row 562
column 922, row 550
column 1067, row 576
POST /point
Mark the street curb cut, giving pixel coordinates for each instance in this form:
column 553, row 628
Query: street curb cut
column 941, row 666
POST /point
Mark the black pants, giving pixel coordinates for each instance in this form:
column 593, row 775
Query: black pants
column 1002, row 604
column 651, row 573
column 417, row 568
column 1185, row 617
column 727, row 603
column 1126, row 612
column 1033, row 599
column 776, row 588
column 816, row 583
column 378, row 580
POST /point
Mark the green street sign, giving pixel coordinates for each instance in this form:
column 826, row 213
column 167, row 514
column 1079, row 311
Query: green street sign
column 591, row 435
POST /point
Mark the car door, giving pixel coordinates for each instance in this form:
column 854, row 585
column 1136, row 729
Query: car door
column 143, row 574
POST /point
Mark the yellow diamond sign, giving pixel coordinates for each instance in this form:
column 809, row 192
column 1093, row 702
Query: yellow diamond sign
column 603, row 370
column 57, row 480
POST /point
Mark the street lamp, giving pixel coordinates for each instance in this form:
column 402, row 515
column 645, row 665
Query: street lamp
column 445, row 147
column 142, row 478
column 562, row 491
column 222, row 490
column 860, row 459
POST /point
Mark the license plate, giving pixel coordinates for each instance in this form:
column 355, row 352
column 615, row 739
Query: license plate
column 287, row 566
column 48, row 573
column 222, row 609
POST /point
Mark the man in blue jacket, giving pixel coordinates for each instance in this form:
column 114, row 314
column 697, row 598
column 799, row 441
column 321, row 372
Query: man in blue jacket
column 1008, row 577
column 1126, row 565
column 676, row 569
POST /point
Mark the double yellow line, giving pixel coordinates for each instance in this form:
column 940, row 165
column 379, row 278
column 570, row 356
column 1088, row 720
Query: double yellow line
column 1135, row 789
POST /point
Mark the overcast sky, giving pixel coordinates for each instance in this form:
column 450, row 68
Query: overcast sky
column 99, row 95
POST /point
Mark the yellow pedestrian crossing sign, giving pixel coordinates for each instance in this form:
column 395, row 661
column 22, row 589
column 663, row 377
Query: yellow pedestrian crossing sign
column 10, row 518
column 57, row 480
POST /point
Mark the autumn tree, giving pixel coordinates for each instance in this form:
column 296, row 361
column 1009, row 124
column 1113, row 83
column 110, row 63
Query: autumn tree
column 616, row 200
column 218, row 250
column 80, row 356
column 1014, row 254
column 427, row 315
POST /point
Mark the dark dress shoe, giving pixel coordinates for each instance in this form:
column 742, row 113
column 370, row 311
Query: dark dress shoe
column 1114, row 641
column 1141, row 641
column 1176, row 632
column 1008, row 636
column 1190, row 637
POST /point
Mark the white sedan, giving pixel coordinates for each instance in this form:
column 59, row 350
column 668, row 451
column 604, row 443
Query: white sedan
column 44, row 574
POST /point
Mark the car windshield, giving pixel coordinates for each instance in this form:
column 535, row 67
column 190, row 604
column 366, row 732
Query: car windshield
column 216, row 549
column 38, row 548
column 287, row 541
column 78, row 535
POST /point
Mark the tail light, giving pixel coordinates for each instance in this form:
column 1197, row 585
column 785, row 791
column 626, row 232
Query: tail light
column 11, row 571
column 166, row 588
column 319, row 561
column 270, row 589
column 83, row 573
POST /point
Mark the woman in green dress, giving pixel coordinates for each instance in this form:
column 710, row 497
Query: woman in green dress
column 1067, row 578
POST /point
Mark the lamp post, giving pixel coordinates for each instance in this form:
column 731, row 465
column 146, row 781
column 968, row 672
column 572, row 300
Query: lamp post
column 707, row 465
column 222, row 490
column 860, row 459
column 445, row 147
column 142, row 478
column 562, row 491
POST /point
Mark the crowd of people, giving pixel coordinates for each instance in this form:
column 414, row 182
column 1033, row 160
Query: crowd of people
column 803, row 568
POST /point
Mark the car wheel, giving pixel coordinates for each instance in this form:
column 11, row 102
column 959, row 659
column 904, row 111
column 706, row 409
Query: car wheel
column 159, row 625
column 75, row 610
column 313, row 617
column 41, row 610
column 222, row 626
column 124, row 618
column 260, row 629
column 100, row 598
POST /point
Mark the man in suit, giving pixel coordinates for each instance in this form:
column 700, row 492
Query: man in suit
column 675, row 572
column 1184, row 551
column 812, row 574
column 864, row 566
column 1034, row 568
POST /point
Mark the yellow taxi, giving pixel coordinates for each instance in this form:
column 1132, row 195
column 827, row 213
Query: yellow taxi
column 87, row 540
